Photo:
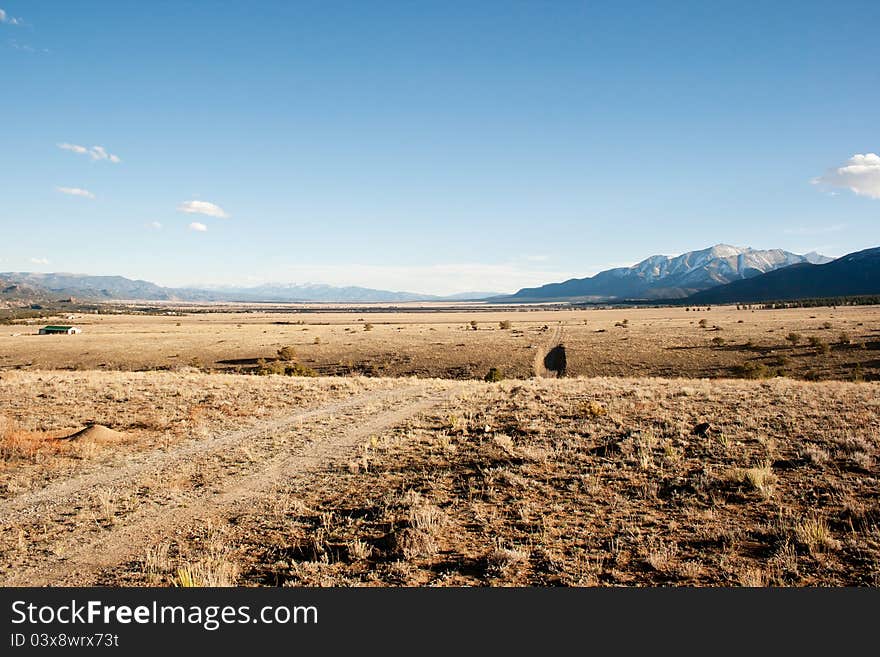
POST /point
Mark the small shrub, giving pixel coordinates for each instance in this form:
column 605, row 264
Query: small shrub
column 287, row 353
column 207, row 574
column 359, row 550
column 504, row 325
column 415, row 543
column 759, row 478
column 753, row 370
column 502, row 559
column 815, row 455
column 718, row 342
column 284, row 368
column 819, row 344
column 368, row 327
column 702, row 323
column 827, row 325
column 298, row 369
column 844, row 338
column 794, row 338
column 858, row 375
column 493, row 375
column 594, row 409
column 752, row 578
column 473, row 325
column 813, row 532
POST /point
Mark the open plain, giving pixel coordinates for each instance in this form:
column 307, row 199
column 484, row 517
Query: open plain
column 464, row 343
column 362, row 446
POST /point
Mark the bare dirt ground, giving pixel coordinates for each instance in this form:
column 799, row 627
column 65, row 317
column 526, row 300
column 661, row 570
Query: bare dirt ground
column 219, row 479
column 77, row 522
column 826, row 343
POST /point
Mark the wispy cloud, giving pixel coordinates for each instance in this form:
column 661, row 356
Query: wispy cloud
column 202, row 207
column 97, row 153
column 9, row 20
column 155, row 225
column 814, row 230
column 23, row 47
column 198, row 227
column 860, row 175
column 40, row 261
column 75, row 191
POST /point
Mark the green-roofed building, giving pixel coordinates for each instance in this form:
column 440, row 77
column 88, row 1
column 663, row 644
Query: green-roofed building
column 60, row 330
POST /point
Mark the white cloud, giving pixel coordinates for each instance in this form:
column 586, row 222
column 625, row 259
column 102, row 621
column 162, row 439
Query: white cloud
column 9, row 20
column 860, row 175
column 82, row 150
column 97, row 153
column 155, row 225
column 76, row 191
column 198, row 227
column 40, row 261
column 202, row 207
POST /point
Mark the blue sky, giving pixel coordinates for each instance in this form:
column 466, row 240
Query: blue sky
column 430, row 146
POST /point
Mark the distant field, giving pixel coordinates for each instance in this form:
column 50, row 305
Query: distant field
column 831, row 343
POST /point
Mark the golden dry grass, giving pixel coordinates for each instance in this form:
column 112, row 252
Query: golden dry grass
column 535, row 491
column 665, row 342
column 522, row 482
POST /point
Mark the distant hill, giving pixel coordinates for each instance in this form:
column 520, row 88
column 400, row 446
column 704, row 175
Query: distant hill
column 851, row 275
column 317, row 292
column 314, row 292
column 19, row 295
column 91, row 287
column 666, row 277
column 32, row 285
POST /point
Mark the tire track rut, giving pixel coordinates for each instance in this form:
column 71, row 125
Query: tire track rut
column 78, row 555
column 552, row 349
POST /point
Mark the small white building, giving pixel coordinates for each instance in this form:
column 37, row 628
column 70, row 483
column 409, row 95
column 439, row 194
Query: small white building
column 59, row 330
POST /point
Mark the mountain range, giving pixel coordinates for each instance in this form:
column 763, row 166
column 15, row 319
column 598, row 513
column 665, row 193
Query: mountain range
column 35, row 287
column 667, row 277
column 851, row 275
column 718, row 274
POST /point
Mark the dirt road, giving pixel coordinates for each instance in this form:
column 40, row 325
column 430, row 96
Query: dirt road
column 550, row 359
column 67, row 533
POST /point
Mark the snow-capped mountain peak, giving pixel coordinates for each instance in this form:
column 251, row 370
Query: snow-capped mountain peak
column 664, row 277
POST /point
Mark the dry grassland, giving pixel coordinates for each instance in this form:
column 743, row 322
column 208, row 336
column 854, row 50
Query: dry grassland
column 218, row 479
column 828, row 343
